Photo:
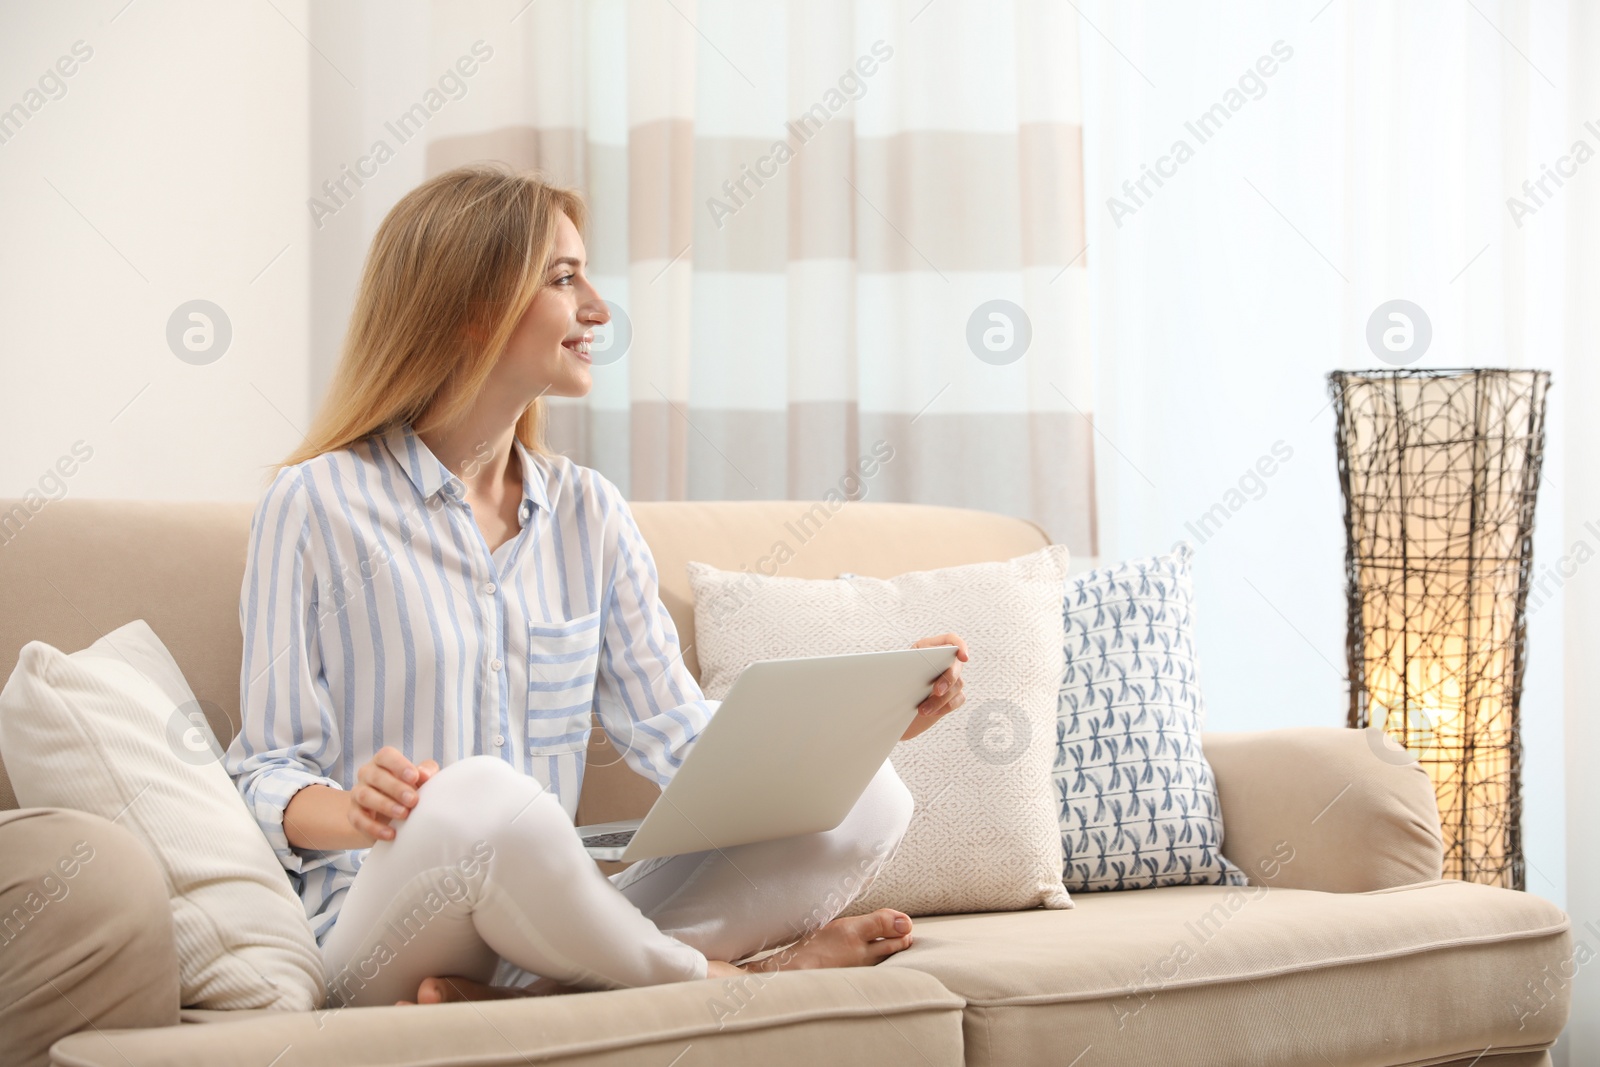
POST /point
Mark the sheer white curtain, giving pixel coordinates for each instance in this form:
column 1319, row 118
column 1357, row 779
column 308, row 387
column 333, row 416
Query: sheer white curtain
column 1374, row 162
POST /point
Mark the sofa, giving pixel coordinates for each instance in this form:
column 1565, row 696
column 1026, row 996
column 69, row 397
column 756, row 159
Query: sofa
column 1354, row 953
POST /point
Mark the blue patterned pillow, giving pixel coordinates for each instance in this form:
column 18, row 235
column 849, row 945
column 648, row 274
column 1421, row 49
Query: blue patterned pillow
column 1138, row 803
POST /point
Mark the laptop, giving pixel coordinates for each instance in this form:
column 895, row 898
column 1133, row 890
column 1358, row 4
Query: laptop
column 771, row 764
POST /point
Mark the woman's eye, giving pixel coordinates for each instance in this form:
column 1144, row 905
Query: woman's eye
column 564, row 279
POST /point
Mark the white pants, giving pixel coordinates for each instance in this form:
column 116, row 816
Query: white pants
column 487, row 879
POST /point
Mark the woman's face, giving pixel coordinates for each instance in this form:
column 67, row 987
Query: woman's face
column 548, row 352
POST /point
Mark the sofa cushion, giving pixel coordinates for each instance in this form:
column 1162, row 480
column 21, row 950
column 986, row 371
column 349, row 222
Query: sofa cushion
column 1138, row 802
column 985, row 835
column 855, row 1018
column 1220, row 975
column 114, row 730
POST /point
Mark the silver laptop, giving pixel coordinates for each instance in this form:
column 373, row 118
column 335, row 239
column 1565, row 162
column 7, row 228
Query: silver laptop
column 789, row 752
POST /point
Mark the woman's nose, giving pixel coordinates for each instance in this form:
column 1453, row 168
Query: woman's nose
column 596, row 312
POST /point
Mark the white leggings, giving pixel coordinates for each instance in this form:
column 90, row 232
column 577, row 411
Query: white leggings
column 487, row 879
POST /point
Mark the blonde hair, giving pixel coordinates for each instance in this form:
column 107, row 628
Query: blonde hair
column 452, row 268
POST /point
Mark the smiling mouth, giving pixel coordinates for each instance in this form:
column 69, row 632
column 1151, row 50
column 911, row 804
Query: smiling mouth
column 578, row 347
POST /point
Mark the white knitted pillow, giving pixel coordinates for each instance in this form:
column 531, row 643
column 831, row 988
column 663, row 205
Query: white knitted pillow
column 115, row 730
column 984, row 836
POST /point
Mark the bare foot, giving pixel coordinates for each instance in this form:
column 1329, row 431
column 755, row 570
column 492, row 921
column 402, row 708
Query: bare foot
column 452, row 989
column 857, row 941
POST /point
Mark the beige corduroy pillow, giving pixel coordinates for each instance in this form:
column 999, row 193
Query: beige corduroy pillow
column 985, row 834
column 115, row 730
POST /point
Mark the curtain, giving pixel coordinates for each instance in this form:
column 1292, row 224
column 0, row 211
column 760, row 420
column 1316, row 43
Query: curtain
column 1423, row 151
column 837, row 232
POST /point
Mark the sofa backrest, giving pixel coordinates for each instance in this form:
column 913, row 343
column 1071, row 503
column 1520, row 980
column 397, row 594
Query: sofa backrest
column 77, row 569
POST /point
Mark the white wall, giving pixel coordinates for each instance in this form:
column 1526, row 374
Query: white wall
column 173, row 168
column 382, row 49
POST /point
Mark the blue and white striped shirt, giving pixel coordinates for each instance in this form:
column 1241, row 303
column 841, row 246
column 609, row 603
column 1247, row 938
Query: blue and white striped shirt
column 374, row 614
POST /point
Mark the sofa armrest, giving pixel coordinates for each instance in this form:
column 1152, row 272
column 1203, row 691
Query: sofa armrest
column 1317, row 807
column 855, row 1017
column 85, row 932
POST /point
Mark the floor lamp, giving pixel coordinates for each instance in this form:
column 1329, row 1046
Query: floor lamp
column 1440, row 470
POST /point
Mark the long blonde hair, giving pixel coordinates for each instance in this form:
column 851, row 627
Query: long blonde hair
column 460, row 256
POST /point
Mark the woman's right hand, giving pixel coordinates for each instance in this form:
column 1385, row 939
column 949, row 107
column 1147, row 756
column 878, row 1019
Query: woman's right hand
column 386, row 790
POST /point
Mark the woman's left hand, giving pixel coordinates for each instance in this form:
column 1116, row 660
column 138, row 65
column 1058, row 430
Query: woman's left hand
column 947, row 693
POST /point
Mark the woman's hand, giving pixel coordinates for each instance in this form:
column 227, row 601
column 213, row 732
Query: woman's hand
column 386, row 790
column 947, row 693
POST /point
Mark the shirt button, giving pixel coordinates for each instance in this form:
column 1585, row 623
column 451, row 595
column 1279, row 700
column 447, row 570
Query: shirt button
column 489, row 589
column 495, row 665
column 499, row 740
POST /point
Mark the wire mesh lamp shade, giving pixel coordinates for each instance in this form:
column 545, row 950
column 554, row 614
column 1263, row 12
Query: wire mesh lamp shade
column 1440, row 471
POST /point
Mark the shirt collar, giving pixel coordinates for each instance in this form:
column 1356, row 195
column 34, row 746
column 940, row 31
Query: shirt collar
column 534, row 490
column 430, row 476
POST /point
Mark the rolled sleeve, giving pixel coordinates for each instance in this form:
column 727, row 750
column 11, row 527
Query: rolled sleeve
column 286, row 736
column 649, row 704
column 267, row 792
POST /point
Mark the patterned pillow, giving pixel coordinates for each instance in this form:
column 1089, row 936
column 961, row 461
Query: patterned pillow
column 1137, row 799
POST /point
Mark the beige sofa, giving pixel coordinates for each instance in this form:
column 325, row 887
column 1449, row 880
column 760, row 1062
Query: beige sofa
column 1353, row 952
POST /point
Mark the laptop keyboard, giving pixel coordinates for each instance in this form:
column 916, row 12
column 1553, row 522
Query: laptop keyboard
column 612, row 840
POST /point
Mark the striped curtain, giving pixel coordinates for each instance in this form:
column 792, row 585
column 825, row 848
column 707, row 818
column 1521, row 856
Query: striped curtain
column 843, row 242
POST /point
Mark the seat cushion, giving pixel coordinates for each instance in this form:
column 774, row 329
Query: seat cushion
column 855, row 1018
column 1232, row 976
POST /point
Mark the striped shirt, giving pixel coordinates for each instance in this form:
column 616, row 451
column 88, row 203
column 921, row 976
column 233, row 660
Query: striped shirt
column 374, row 614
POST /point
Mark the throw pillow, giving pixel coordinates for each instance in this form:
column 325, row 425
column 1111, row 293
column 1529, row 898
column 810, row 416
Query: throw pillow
column 116, row 731
column 1138, row 802
column 984, row 834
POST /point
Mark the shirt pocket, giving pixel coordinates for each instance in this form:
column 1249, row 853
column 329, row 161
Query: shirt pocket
column 562, row 657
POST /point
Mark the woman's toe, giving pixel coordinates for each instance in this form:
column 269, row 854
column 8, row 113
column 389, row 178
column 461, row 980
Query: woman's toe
column 888, row 923
column 888, row 946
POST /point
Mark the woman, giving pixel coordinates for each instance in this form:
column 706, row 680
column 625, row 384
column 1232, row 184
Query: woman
column 433, row 605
